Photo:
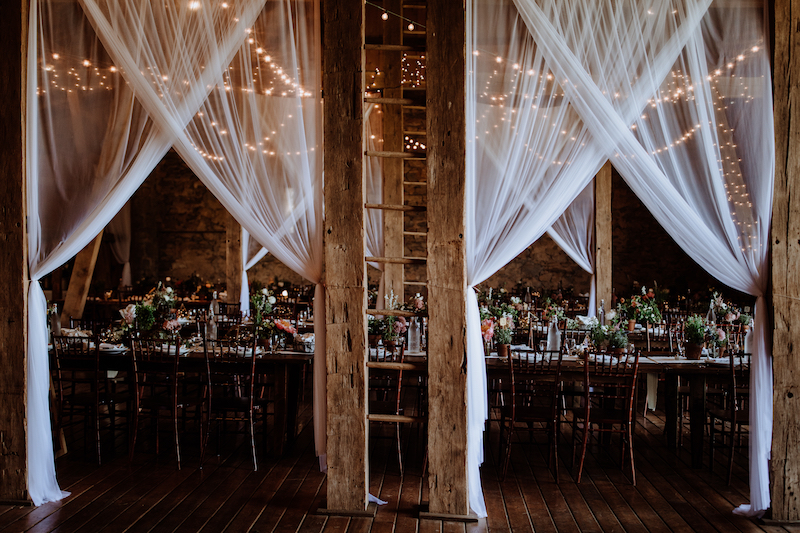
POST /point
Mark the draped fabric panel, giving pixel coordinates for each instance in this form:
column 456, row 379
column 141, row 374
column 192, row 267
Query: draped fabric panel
column 686, row 118
column 252, row 253
column 89, row 147
column 573, row 232
column 528, row 157
column 120, row 229
column 238, row 85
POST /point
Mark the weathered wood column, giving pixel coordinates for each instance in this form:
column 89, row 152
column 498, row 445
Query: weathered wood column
column 233, row 258
column 13, row 253
column 80, row 280
column 785, row 242
column 602, row 235
column 345, row 269
column 447, row 280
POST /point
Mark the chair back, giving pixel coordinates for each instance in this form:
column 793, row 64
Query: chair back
column 535, row 379
column 155, row 364
column 610, row 380
column 77, row 363
column 230, row 364
column 739, row 387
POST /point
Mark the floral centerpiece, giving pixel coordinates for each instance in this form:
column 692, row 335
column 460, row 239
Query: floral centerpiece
column 261, row 302
column 417, row 304
column 609, row 337
column 393, row 326
column 154, row 316
column 645, row 307
column 497, row 323
column 552, row 311
column 694, row 334
column 286, row 329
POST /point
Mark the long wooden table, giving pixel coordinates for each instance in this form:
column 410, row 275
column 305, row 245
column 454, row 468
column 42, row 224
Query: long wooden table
column 672, row 367
column 286, row 366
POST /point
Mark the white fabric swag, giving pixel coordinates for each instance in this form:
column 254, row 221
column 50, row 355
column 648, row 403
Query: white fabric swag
column 255, row 140
column 252, row 253
column 675, row 94
column 174, row 60
column 573, row 232
column 120, row 229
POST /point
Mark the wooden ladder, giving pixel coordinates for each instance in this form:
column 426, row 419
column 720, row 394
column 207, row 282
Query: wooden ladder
column 398, row 92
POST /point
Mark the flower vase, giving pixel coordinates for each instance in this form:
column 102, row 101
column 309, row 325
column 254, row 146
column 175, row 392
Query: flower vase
column 721, row 353
column 693, row 350
column 631, row 324
column 503, row 350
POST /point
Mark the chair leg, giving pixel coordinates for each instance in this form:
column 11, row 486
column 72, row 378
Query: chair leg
column 584, row 444
column 508, row 448
column 630, row 451
column 133, row 430
column 253, row 443
column 399, row 450
column 735, row 429
column 97, row 432
column 177, row 436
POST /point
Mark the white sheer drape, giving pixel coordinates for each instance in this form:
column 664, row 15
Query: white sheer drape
column 678, row 96
column 252, row 253
column 255, row 141
column 120, row 229
column 89, row 146
column 573, row 232
column 528, row 157
column 373, row 168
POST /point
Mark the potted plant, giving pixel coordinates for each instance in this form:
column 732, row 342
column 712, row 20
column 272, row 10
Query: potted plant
column 609, row 338
column 503, row 328
column 375, row 327
column 694, row 335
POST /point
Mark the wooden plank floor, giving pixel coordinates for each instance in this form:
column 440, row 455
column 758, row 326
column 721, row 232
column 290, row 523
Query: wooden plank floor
column 150, row 494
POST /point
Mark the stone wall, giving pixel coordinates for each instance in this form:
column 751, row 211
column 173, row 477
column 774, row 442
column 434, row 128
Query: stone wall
column 179, row 231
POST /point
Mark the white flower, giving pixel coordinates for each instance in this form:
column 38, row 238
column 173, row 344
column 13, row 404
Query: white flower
column 610, row 315
column 271, row 300
column 264, row 291
column 515, row 300
column 169, row 290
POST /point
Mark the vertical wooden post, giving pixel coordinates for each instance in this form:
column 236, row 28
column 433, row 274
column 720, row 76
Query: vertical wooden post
column 233, row 259
column 602, row 234
column 80, row 280
column 345, row 268
column 393, row 245
column 13, row 253
column 447, row 271
column 785, row 242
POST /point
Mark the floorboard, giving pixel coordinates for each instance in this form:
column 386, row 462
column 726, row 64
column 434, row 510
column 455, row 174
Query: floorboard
column 150, row 494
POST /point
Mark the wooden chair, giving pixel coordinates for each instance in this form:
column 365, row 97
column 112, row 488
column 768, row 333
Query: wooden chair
column 734, row 413
column 231, row 385
column 162, row 388
column 608, row 402
column 535, row 381
column 83, row 387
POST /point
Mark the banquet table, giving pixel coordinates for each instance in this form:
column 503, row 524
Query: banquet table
column 696, row 371
column 285, row 365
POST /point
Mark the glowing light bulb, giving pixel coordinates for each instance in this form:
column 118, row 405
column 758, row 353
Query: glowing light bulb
column 411, row 27
column 194, row 5
column 385, row 16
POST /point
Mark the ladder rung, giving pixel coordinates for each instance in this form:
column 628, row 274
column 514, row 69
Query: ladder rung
column 396, row 207
column 394, row 47
column 388, row 365
column 414, row 32
column 417, row 183
column 395, row 418
column 397, row 260
column 416, row 283
column 418, row 107
column 410, row 132
column 394, row 312
column 416, row 233
column 395, row 155
column 388, row 101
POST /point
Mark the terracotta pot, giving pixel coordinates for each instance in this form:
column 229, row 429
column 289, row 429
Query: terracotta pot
column 503, row 350
column 373, row 340
column 390, row 345
column 631, row 324
column 693, row 351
